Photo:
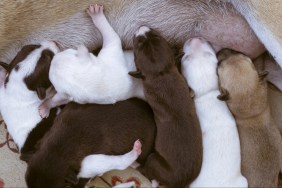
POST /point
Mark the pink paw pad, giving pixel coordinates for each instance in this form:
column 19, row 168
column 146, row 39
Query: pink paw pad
column 137, row 147
column 95, row 9
column 43, row 111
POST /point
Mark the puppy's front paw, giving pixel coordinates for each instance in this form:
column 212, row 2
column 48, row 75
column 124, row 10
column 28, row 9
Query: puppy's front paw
column 43, row 111
column 95, row 10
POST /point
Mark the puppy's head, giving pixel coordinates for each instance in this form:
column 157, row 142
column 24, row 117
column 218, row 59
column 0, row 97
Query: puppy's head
column 198, row 65
column 152, row 53
column 239, row 80
column 36, row 64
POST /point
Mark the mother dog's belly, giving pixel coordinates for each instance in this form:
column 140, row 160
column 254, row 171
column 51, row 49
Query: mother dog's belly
column 176, row 20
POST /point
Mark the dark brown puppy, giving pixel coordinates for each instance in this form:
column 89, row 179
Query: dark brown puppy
column 177, row 159
column 82, row 130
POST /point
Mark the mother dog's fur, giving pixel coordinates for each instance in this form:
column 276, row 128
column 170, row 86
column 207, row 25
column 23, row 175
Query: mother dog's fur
column 25, row 22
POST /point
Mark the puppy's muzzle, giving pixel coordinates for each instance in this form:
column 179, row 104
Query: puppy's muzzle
column 142, row 31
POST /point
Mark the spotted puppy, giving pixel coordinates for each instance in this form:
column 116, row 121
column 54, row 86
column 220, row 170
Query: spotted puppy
column 86, row 139
column 177, row 159
column 22, row 91
column 245, row 92
column 80, row 76
column 222, row 161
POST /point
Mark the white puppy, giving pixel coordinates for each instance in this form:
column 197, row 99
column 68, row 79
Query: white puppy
column 80, row 76
column 221, row 157
column 23, row 88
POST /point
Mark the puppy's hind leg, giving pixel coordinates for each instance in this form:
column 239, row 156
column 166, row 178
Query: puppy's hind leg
column 57, row 100
column 98, row 164
column 101, row 22
column 157, row 169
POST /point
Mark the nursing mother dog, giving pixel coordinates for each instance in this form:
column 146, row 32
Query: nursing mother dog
column 245, row 92
column 177, row 158
column 221, row 157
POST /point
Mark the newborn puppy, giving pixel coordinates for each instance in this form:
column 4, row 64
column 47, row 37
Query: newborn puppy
column 245, row 91
column 221, row 159
column 177, row 158
column 80, row 76
column 91, row 129
column 21, row 92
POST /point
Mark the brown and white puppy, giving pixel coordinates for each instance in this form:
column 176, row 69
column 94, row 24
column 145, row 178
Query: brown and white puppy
column 245, row 92
column 177, row 159
column 83, row 130
column 21, row 92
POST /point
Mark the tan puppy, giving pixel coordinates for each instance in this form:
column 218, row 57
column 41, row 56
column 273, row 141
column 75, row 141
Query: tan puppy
column 266, row 63
column 245, row 92
column 275, row 100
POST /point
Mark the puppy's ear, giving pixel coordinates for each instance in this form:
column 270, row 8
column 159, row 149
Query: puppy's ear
column 38, row 80
column 26, row 156
column 136, row 74
column 192, row 93
column 262, row 74
column 4, row 65
column 41, row 92
column 71, row 177
column 224, row 96
column 3, row 72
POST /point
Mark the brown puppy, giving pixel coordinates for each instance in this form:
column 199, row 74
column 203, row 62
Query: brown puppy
column 83, row 130
column 245, row 92
column 177, row 159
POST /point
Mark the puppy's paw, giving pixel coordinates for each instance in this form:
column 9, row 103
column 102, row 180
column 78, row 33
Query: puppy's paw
column 137, row 147
column 95, row 10
column 43, row 111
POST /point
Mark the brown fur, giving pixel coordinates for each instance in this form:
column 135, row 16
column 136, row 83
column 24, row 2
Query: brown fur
column 178, row 149
column 81, row 130
column 275, row 99
column 260, row 139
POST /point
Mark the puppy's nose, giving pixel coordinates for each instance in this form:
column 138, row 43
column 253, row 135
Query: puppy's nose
column 195, row 41
column 142, row 31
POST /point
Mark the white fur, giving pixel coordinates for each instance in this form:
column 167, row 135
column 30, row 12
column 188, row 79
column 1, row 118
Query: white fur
column 18, row 104
column 125, row 185
column 89, row 79
column 98, row 164
column 221, row 156
column 84, row 78
column 142, row 30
